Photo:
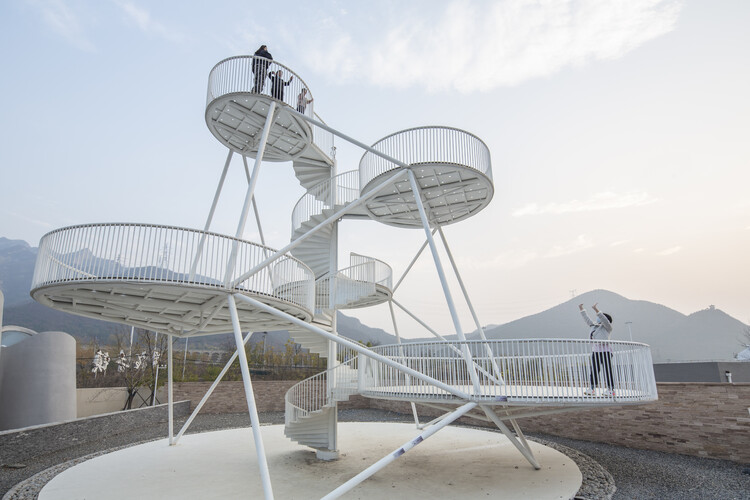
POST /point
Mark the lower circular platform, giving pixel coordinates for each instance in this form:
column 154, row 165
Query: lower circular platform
column 174, row 309
column 456, row 462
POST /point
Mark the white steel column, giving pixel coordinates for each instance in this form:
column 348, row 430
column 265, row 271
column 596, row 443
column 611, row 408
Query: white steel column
column 348, row 208
column 250, row 397
column 504, row 428
column 411, row 264
column 398, row 340
column 270, row 117
column 211, row 212
column 441, row 274
column 354, row 346
column 397, row 453
column 487, row 348
column 170, row 391
column 210, row 390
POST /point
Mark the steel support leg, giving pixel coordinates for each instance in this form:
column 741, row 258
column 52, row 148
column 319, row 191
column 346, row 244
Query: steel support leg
column 170, row 391
column 340, row 213
column 487, row 348
column 525, row 450
column 211, row 212
column 354, row 346
column 270, row 117
column 441, row 274
column 397, row 453
column 250, row 397
column 401, row 349
column 210, row 391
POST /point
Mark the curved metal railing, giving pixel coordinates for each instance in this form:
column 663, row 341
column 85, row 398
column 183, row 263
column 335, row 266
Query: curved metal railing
column 166, row 254
column 235, row 75
column 427, row 145
column 548, row 372
column 322, row 389
column 531, row 370
column 336, row 191
column 353, row 283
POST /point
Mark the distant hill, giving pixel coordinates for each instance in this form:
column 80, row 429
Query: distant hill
column 17, row 260
column 708, row 335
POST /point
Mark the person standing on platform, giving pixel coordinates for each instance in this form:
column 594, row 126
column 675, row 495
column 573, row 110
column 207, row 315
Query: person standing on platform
column 601, row 357
column 261, row 60
column 303, row 101
column 278, row 84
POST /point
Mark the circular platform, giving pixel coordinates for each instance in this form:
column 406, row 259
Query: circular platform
column 456, row 462
column 168, row 279
column 452, row 167
column 449, row 193
column 237, row 120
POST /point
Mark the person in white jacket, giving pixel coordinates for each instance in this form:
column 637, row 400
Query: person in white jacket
column 601, row 357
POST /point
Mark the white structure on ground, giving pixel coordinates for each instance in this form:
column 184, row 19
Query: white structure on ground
column 186, row 282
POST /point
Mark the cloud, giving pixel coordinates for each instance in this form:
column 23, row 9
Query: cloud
column 582, row 242
column 600, row 201
column 482, row 45
column 143, row 20
column 669, row 251
column 29, row 220
column 65, row 21
column 512, row 259
column 619, row 243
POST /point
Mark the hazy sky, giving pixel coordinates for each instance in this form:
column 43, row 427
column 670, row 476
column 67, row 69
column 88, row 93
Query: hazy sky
column 619, row 134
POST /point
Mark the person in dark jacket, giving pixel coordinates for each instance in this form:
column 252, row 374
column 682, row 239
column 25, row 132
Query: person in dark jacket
column 261, row 61
column 278, row 84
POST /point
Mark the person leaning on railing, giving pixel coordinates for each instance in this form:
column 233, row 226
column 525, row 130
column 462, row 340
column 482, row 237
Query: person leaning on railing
column 261, row 61
column 602, row 351
column 278, row 84
column 303, row 101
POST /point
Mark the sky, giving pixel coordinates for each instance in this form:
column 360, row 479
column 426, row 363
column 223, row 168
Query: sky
column 618, row 133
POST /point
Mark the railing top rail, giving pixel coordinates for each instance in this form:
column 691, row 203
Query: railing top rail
column 428, row 127
column 284, row 66
column 408, row 344
column 175, row 228
column 355, row 254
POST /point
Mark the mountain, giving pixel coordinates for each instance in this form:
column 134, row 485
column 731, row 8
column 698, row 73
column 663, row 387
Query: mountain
column 17, row 260
column 708, row 335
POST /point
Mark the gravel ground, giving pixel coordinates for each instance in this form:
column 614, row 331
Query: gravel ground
column 637, row 474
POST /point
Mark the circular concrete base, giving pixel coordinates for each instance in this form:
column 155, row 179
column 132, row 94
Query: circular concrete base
column 456, row 462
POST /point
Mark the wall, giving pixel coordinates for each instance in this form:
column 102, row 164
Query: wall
column 97, row 401
column 702, row 419
column 19, row 445
column 711, row 371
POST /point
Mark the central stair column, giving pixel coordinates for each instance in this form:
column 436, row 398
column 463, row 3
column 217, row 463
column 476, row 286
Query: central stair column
column 332, row 453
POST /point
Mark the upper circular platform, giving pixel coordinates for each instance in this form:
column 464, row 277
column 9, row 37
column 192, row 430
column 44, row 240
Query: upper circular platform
column 452, row 167
column 237, row 106
column 167, row 279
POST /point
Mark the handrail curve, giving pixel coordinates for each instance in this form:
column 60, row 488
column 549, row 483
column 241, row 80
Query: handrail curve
column 327, row 194
column 534, row 372
column 427, row 145
column 170, row 255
